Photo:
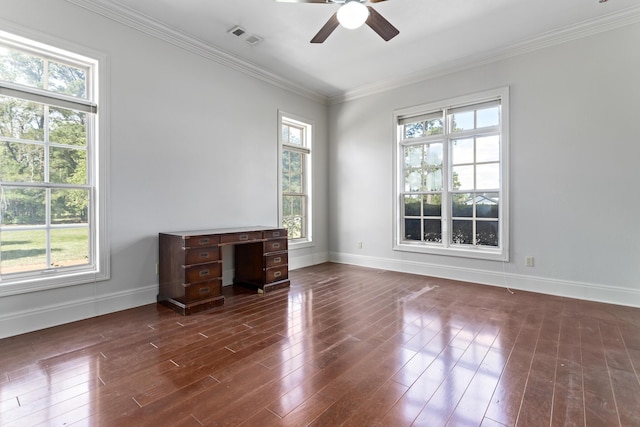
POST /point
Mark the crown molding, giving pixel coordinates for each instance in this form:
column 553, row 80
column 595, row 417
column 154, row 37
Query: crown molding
column 145, row 24
column 582, row 29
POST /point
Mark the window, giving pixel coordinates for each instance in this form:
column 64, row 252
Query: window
column 451, row 183
column 295, row 178
column 51, row 230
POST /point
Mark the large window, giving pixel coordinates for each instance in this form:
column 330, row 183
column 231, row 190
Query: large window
column 451, row 184
column 49, row 164
column 295, row 177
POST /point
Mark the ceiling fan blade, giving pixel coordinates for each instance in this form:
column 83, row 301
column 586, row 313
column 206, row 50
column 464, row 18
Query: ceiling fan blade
column 381, row 25
column 307, row 1
column 376, row 1
column 327, row 29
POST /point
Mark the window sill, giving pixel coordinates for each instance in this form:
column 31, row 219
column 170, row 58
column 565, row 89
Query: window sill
column 25, row 285
column 470, row 252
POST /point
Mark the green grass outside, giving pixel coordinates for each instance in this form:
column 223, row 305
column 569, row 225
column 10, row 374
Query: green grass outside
column 26, row 251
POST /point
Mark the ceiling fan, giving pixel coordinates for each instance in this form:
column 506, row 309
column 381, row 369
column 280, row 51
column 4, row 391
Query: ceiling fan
column 352, row 14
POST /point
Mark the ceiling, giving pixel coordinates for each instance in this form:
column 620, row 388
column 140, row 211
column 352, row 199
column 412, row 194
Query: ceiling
column 435, row 35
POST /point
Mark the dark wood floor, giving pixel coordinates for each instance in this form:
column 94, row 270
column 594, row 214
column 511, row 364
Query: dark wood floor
column 343, row 346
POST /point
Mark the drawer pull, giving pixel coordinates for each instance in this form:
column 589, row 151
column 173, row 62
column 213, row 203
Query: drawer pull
column 204, row 273
column 277, row 260
column 204, row 290
column 276, row 245
column 204, row 254
column 203, row 241
column 276, row 234
column 277, row 274
column 243, row 237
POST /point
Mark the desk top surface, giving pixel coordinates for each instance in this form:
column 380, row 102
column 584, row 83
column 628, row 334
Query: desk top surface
column 190, row 233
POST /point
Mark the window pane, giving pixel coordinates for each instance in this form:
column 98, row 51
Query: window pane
column 488, row 176
column 462, row 232
column 69, row 246
column 432, row 205
column 423, row 167
column 22, row 251
column 412, row 229
column 487, row 205
column 488, row 117
column 433, row 155
column 23, row 206
column 488, row 149
column 462, row 121
column 432, row 230
column 21, row 119
column 434, row 127
column 462, row 205
column 21, row 162
column 463, row 178
column 18, row 67
column 413, row 156
column 412, row 205
column 487, row 233
column 67, row 80
column 67, row 127
column 295, row 136
column 414, row 130
column 67, row 166
column 69, row 206
column 294, row 227
column 462, row 151
column 291, row 171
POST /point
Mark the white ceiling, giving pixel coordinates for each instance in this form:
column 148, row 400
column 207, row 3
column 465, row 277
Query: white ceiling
column 435, row 35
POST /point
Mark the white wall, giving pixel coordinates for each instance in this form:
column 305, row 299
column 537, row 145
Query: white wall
column 574, row 170
column 193, row 144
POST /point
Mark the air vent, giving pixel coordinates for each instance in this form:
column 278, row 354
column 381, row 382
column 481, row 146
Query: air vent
column 237, row 31
column 241, row 33
column 253, row 40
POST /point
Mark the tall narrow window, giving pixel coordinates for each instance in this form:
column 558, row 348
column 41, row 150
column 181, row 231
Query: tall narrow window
column 451, row 186
column 48, row 165
column 295, row 177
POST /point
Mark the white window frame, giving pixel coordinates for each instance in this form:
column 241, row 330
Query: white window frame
column 446, row 247
column 307, row 126
column 98, row 268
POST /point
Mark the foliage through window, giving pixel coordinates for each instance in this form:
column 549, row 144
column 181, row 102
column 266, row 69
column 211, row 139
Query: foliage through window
column 295, row 143
column 48, row 166
column 451, row 184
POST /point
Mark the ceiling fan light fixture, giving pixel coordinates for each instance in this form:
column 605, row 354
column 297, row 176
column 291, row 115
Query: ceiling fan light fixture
column 353, row 14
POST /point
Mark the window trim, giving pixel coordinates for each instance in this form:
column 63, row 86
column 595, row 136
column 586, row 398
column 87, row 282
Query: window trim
column 283, row 118
column 97, row 154
column 486, row 253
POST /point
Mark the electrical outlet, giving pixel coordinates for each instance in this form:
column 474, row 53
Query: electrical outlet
column 529, row 261
column 157, row 269
column 359, row 245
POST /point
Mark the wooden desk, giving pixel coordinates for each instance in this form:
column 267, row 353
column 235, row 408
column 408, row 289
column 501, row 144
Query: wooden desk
column 190, row 264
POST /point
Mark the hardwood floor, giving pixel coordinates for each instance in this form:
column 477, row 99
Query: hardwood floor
column 344, row 346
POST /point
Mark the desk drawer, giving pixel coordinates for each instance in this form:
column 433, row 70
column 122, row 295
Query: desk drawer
column 201, row 256
column 240, row 237
column 202, row 273
column 273, row 234
column 276, row 273
column 204, row 290
column 276, row 260
column 201, row 241
column 275, row 245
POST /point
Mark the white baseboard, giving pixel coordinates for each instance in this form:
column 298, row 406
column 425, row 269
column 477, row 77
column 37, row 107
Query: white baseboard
column 296, row 262
column 564, row 288
column 45, row 317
